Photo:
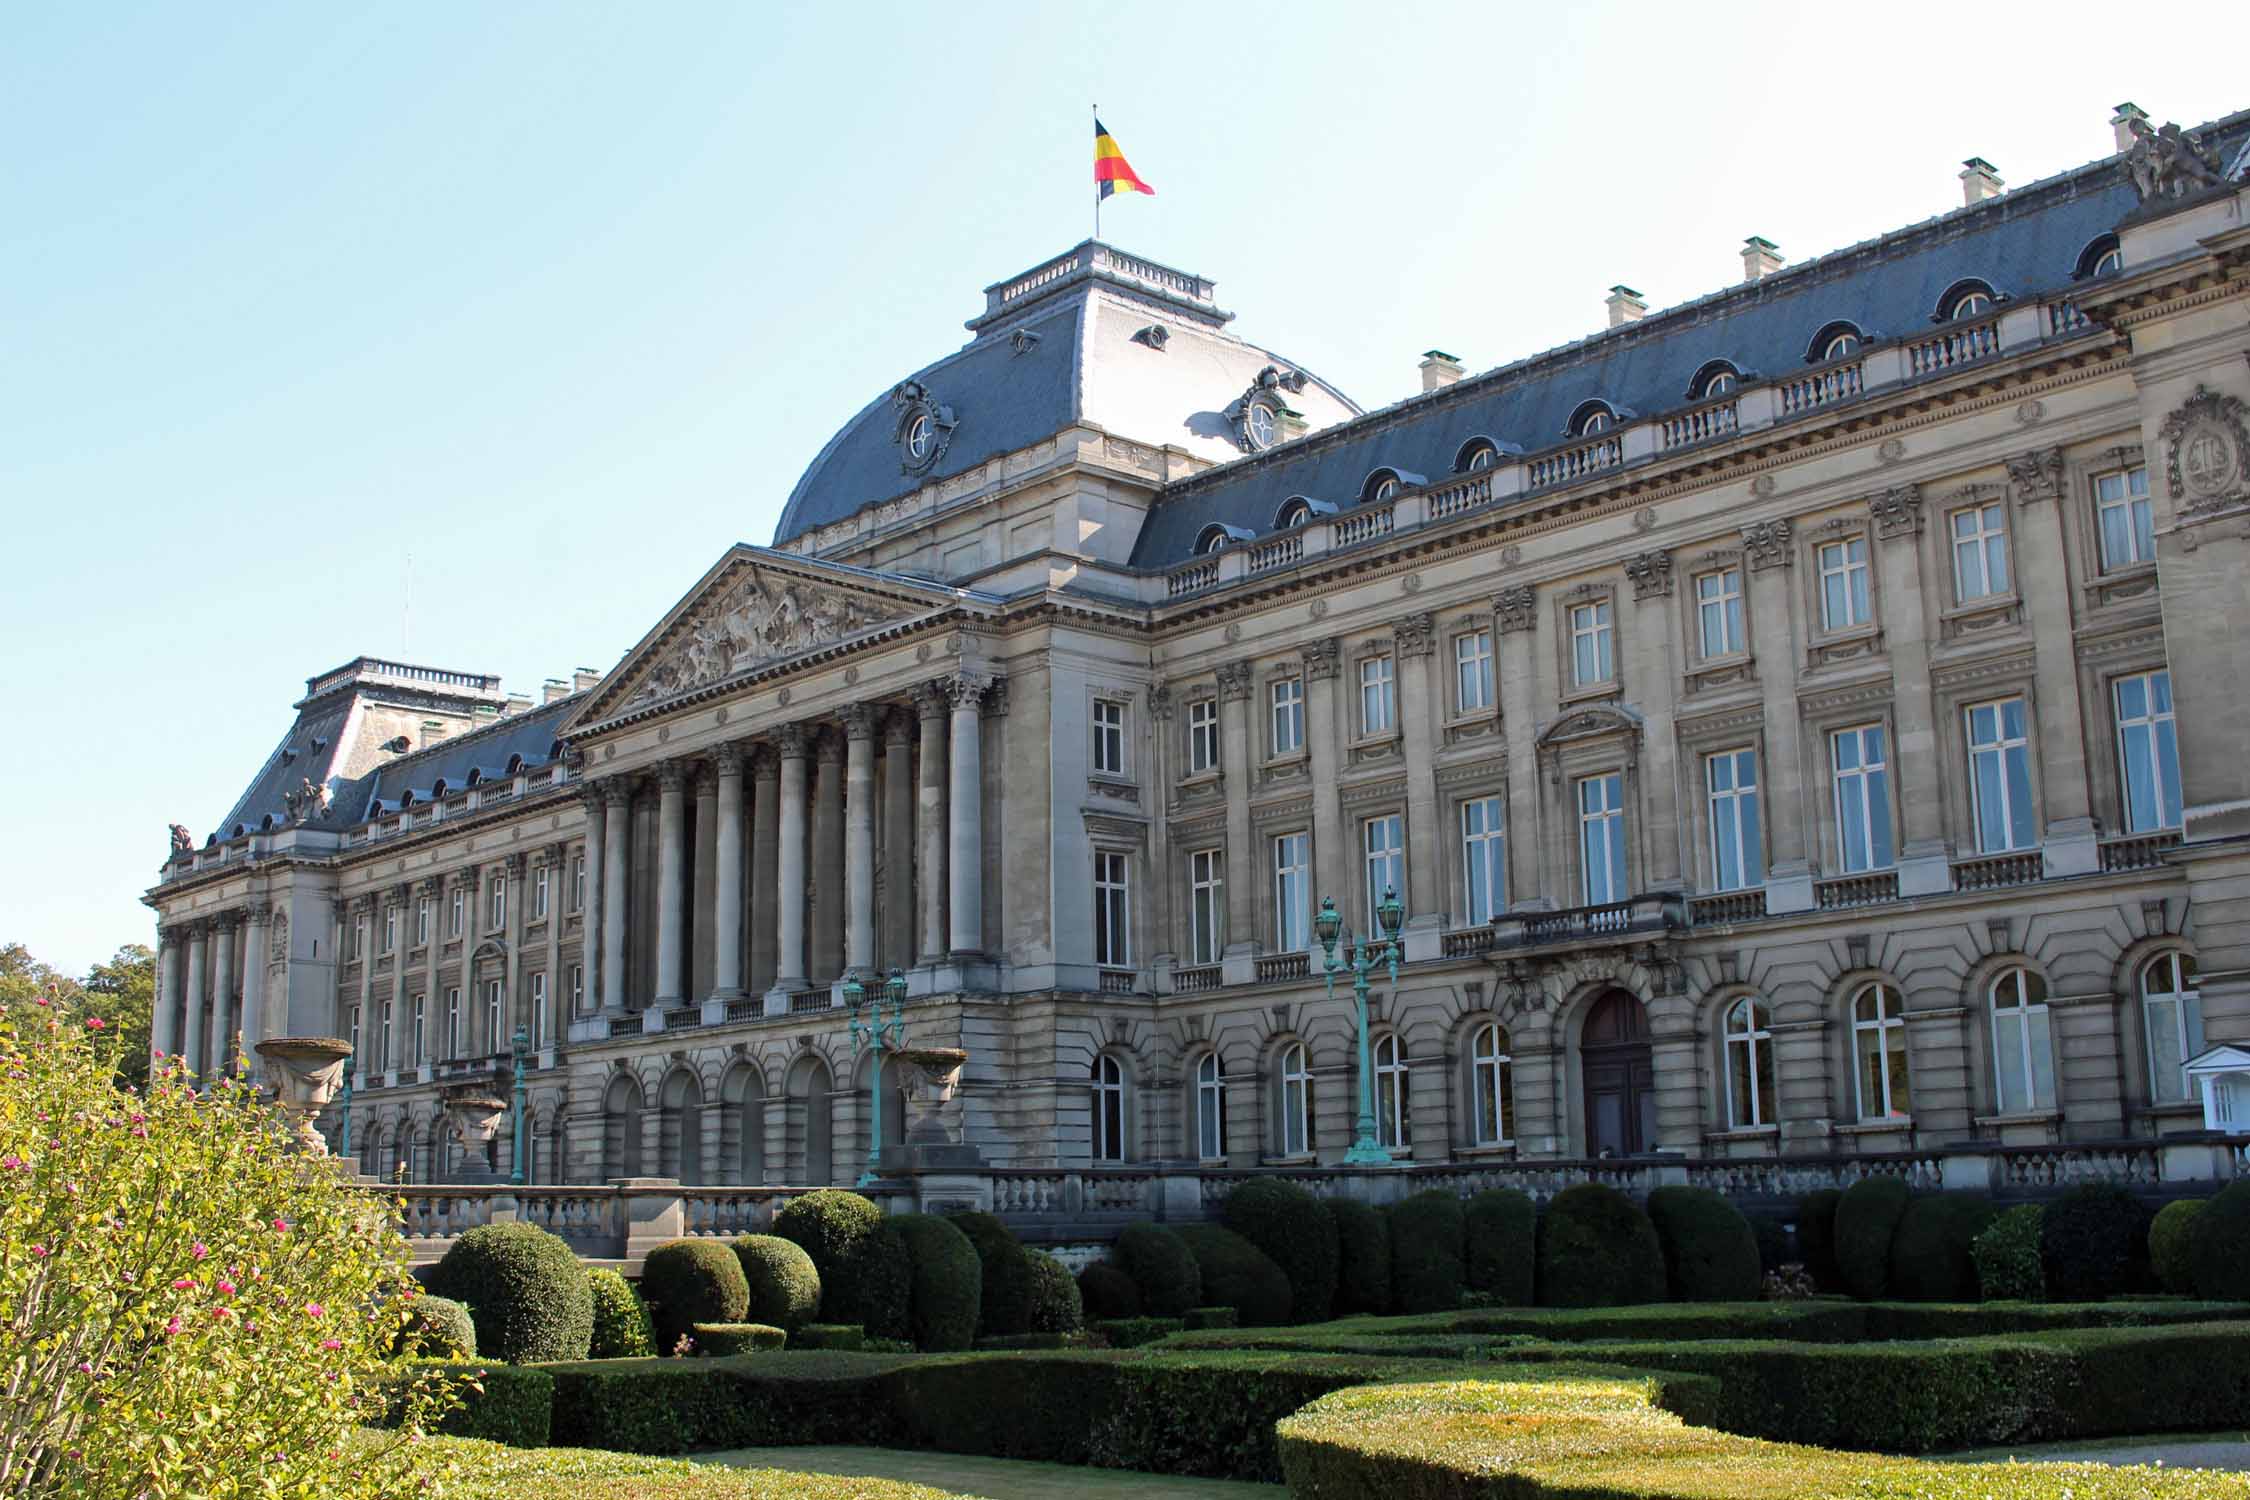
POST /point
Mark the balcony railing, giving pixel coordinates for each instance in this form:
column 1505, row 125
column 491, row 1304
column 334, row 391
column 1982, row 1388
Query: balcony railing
column 1283, row 550
column 1992, row 871
column 1363, row 525
column 1856, row 890
column 2138, row 851
column 1953, row 347
column 1727, row 906
column 1192, row 981
column 739, row 1011
column 2064, row 317
column 1575, row 462
column 809, row 1000
column 1468, row 494
column 1284, row 966
column 1583, row 924
column 1702, row 424
column 681, row 1017
column 1818, row 388
column 1117, row 981
column 1468, row 942
column 1199, row 576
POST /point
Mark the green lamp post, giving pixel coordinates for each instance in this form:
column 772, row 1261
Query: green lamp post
column 520, row 1044
column 873, row 1033
column 344, row 1135
column 1362, row 958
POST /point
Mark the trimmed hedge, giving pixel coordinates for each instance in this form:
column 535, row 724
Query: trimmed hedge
column 1237, row 1274
column 438, row 1328
column 2094, row 1243
column 1816, row 1238
column 1866, row 1218
column 1055, row 1307
column 499, row 1403
column 1108, row 1293
column 1298, row 1234
column 1363, row 1258
column 830, row 1336
column 784, row 1283
column 1161, row 1265
column 2006, row 1253
column 1041, row 1341
column 1429, row 1252
column 2219, row 1250
column 1004, row 1301
column 686, row 1282
column 1501, row 1227
column 1131, row 1333
column 2171, row 1242
column 1932, row 1256
column 1710, row 1250
column 621, row 1325
column 524, row 1289
column 948, row 1281
column 1211, row 1317
column 864, row 1272
column 720, row 1340
column 1597, row 1248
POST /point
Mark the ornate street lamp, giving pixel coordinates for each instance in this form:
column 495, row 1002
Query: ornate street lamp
column 344, row 1136
column 520, row 1044
column 1362, row 958
column 875, row 1034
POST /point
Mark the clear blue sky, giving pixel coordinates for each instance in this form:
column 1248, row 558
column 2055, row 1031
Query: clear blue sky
column 559, row 298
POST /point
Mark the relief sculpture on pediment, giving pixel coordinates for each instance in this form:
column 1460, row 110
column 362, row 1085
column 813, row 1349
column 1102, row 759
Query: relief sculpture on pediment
column 758, row 618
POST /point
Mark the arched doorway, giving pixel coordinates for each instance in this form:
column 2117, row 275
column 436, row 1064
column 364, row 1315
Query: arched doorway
column 811, row 1120
column 1619, row 1073
column 621, row 1127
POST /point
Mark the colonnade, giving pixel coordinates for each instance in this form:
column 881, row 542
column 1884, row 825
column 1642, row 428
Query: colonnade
column 210, row 985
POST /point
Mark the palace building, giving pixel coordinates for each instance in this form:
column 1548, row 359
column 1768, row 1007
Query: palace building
column 1807, row 722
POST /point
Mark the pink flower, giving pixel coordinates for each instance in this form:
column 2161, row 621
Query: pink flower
column 14, row 1163
column 222, row 1311
column 281, row 1226
column 85, row 1367
column 224, row 1289
column 200, row 1250
column 172, row 1325
column 184, row 1284
column 314, row 1309
column 331, row 1343
column 39, row 1251
column 95, row 1023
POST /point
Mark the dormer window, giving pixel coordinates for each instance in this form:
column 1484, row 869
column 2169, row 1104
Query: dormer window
column 1969, row 304
column 1966, row 299
column 1718, row 377
column 1293, row 515
column 1260, row 423
column 1594, row 421
column 1381, row 485
column 1481, row 456
column 1591, row 417
column 920, row 434
column 1838, row 340
column 2101, row 257
column 1213, row 539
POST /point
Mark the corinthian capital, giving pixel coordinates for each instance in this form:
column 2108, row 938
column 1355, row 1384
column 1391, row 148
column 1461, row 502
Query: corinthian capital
column 966, row 689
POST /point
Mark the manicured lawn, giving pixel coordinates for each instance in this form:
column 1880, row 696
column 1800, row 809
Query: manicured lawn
column 488, row 1471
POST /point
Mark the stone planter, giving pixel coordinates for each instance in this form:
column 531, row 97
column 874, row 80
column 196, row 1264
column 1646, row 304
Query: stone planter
column 932, row 1080
column 475, row 1116
column 304, row 1072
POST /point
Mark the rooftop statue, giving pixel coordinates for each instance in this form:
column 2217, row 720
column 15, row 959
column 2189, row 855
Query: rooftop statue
column 2168, row 163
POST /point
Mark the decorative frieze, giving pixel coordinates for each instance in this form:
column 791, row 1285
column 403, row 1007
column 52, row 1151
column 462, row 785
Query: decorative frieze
column 1323, row 658
column 2037, row 475
column 1897, row 511
column 1415, row 635
column 1513, row 608
column 1768, row 543
column 1651, row 573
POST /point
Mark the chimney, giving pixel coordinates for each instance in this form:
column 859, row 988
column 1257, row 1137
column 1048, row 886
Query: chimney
column 1761, row 257
column 518, row 703
column 2121, row 123
column 553, row 688
column 584, row 678
column 433, row 730
column 1979, row 180
column 1625, row 306
column 1439, row 370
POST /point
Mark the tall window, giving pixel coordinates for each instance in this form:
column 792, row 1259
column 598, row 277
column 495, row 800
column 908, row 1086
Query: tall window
column 1113, row 945
column 1210, row 1108
column 1843, row 584
column 383, row 1031
column 390, row 927
column 1879, row 1073
column 421, row 921
column 578, row 882
column 539, row 895
column 456, row 913
column 1296, row 1112
column 1863, row 798
column 1288, row 696
column 1749, row 1046
column 1472, row 671
column 1737, row 850
column 1207, row 905
column 1492, row 1086
column 539, row 1009
column 1203, row 735
column 495, row 1022
column 1385, row 843
column 2023, row 1061
column 357, row 937
column 1484, row 858
column 2148, row 751
column 1109, row 738
column 1980, row 551
column 1109, row 1110
column 2173, row 1012
column 1292, row 892
column 417, row 1029
column 357, row 1041
column 496, row 902
column 453, row 1039
column 1394, row 1119
column 2000, row 775
column 1718, row 611
column 1592, row 644
column 577, row 988
column 2128, row 527
column 1601, row 838
column 1378, row 708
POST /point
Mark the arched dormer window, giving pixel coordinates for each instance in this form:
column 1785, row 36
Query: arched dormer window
column 1970, row 298
column 1590, row 418
column 1476, row 455
column 1381, row 485
column 1718, row 377
column 1213, row 538
column 406, row 798
column 240, row 830
column 2101, row 257
column 1838, row 340
column 1299, row 510
column 555, row 750
column 474, row 778
column 515, row 763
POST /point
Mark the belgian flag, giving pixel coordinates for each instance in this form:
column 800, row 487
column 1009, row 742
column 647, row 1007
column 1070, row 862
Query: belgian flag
column 1112, row 173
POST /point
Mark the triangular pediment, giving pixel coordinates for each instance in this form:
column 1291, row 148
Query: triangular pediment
column 2226, row 1057
column 755, row 611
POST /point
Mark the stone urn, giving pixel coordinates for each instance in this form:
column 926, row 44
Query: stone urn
column 475, row 1114
column 305, row 1072
column 932, row 1076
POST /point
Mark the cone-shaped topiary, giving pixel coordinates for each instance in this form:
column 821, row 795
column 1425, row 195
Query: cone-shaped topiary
column 524, row 1289
column 621, row 1325
column 1932, row 1257
column 784, row 1283
column 1429, row 1262
column 2171, row 1244
column 1866, row 1218
column 1237, row 1274
column 2094, row 1243
column 1598, row 1249
column 948, row 1282
column 1363, row 1258
column 1816, row 1238
column 863, row 1272
column 1501, row 1227
column 1710, row 1250
column 438, row 1328
column 1004, row 1304
column 1298, row 1233
column 1163, row 1267
column 2219, row 1246
column 686, row 1282
column 1055, row 1307
column 1107, row 1293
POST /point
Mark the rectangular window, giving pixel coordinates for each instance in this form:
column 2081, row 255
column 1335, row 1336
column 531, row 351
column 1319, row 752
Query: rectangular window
column 1113, row 945
column 1288, row 715
column 577, row 988
column 1592, row 645
column 496, row 902
column 539, row 896
column 383, row 1053
column 1718, row 611
column 1484, row 858
column 1109, row 738
column 418, row 1015
column 1385, row 843
column 358, row 938
column 2148, row 751
column 2000, row 775
column 421, row 921
column 2128, row 526
column 578, row 883
column 1737, row 848
column 1980, row 551
column 1292, row 891
column 495, row 1023
column 1207, row 905
column 390, row 928
column 1863, row 798
column 352, row 1032
column 539, row 1010
column 1203, row 735
column 1472, row 671
column 1378, row 710
column 1843, row 584
column 453, row 1037
column 1601, row 837
column 454, row 915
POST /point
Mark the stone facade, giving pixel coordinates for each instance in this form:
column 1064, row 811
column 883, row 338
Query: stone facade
column 1787, row 771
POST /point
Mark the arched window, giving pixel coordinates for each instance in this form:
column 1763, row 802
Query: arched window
column 1719, row 377
column 1294, row 1137
column 1837, row 340
column 1879, row 1074
column 621, row 1127
column 1293, row 514
column 2101, row 257
column 1381, row 485
column 1210, row 1108
column 1213, row 538
column 2109, row 262
column 1476, row 455
column 1492, row 1087
column 2023, row 1059
column 1749, row 1065
column 1967, row 301
column 1592, row 417
column 2172, row 1010
column 1394, row 1119
column 1109, row 1109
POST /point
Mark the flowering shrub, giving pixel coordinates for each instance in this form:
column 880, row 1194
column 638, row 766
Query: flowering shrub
column 1788, row 1283
column 185, row 1307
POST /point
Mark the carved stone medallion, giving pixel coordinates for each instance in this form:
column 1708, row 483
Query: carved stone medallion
column 758, row 618
column 2207, row 453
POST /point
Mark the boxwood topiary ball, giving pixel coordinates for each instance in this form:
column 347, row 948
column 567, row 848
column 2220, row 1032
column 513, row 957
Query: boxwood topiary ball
column 621, row 1326
column 1866, row 1218
column 1363, row 1257
column 1055, row 1306
column 863, row 1271
column 524, row 1290
column 1297, row 1231
column 1598, row 1249
column 1932, row 1257
column 1501, row 1231
column 1107, row 1293
column 1163, row 1267
column 948, row 1282
column 784, row 1283
column 2171, row 1244
column 2219, row 1246
column 1710, row 1250
column 1004, row 1306
column 2094, row 1243
column 1429, row 1262
column 438, row 1328
column 686, row 1282
column 1237, row 1274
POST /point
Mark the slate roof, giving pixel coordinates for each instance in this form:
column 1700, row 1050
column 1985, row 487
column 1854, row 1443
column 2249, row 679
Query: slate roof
column 488, row 748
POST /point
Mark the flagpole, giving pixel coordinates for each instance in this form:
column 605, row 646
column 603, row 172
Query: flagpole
column 1097, row 184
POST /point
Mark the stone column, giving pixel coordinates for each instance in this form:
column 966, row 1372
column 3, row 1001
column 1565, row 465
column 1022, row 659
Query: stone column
column 671, row 883
column 1770, row 550
column 789, row 881
column 1239, row 951
column 252, row 1024
column 702, row 905
column 1413, row 642
column 1925, row 856
column 859, row 836
column 199, row 952
column 2070, row 844
column 930, row 711
column 1325, row 734
column 898, row 841
column 965, row 852
column 765, row 872
column 219, row 1044
column 617, row 860
column 1515, row 637
column 558, row 988
column 511, row 982
column 349, row 922
column 435, row 890
column 402, row 1016
column 828, row 858
column 592, row 799
column 726, row 893
column 1654, row 685
column 164, row 1017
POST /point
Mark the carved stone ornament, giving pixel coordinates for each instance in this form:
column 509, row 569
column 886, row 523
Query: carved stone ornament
column 183, row 842
column 2169, row 163
column 1651, row 573
column 1257, row 414
column 1160, row 702
column 1897, row 510
column 2037, row 475
column 1414, row 635
column 308, row 803
column 1234, row 680
column 2207, row 453
column 756, row 619
column 924, row 429
column 1512, row 608
column 966, row 690
column 1323, row 658
column 1767, row 542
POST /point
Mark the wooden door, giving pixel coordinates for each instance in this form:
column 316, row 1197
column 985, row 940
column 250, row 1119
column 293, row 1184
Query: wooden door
column 1619, row 1072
